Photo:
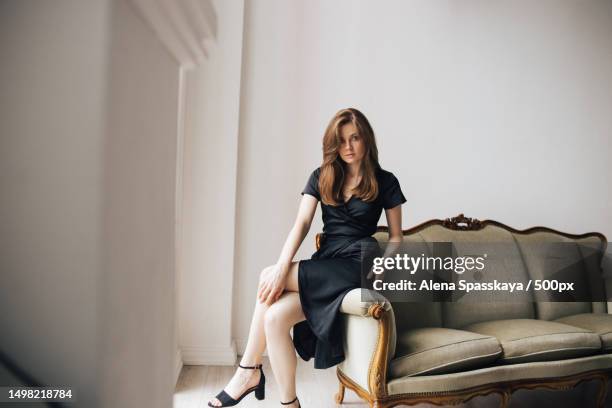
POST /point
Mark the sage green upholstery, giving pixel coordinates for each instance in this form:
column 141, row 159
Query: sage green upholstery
column 421, row 384
column 511, row 267
column 434, row 350
column 545, row 260
column 600, row 323
column 527, row 340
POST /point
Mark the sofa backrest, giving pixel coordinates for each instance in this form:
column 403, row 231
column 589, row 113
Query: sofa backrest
column 576, row 259
column 523, row 259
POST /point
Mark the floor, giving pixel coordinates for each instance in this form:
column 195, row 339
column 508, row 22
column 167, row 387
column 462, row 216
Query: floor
column 316, row 389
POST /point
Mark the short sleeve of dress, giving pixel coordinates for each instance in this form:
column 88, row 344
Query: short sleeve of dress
column 392, row 195
column 312, row 185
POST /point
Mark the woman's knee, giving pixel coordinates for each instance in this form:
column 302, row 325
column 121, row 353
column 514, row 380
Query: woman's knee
column 265, row 271
column 276, row 319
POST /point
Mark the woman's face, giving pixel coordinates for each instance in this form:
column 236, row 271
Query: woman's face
column 352, row 148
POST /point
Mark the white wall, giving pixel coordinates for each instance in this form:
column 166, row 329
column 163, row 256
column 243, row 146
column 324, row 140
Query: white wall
column 140, row 154
column 87, row 173
column 212, row 103
column 498, row 110
column 52, row 109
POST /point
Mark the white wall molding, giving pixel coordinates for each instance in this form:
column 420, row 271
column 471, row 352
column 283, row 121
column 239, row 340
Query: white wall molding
column 183, row 26
column 178, row 220
column 209, row 355
column 178, row 365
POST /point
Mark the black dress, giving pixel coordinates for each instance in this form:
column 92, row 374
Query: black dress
column 335, row 269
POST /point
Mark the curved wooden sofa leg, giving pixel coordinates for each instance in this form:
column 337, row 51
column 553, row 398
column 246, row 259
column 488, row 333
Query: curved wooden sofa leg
column 340, row 394
column 505, row 398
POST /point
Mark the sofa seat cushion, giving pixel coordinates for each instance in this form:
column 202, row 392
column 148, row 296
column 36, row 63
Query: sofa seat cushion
column 437, row 350
column 600, row 323
column 527, row 340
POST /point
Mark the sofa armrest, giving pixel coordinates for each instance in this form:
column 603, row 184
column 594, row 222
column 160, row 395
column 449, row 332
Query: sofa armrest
column 358, row 303
column 369, row 340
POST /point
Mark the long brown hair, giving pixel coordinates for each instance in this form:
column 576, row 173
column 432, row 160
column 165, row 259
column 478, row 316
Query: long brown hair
column 333, row 168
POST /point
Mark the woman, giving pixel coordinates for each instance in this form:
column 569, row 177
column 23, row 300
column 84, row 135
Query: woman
column 307, row 294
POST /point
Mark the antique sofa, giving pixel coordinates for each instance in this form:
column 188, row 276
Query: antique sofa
column 406, row 353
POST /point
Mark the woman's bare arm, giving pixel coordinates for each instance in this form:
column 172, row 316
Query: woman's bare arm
column 394, row 221
column 300, row 229
column 273, row 286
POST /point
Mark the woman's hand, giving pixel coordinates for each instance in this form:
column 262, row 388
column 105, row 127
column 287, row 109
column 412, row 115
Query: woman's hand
column 272, row 284
column 371, row 275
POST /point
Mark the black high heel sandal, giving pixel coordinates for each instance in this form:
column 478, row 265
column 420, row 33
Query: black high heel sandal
column 260, row 390
column 291, row 402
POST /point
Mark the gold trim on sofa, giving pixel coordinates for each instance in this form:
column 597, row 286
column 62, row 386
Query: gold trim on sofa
column 463, row 223
column 504, row 389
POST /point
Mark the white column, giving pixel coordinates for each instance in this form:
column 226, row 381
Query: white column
column 212, row 110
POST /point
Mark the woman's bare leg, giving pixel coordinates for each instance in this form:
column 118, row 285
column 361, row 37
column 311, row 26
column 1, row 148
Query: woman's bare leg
column 278, row 320
column 244, row 379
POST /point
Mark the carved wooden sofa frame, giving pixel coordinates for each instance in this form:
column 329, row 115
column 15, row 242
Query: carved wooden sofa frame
column 377, row 395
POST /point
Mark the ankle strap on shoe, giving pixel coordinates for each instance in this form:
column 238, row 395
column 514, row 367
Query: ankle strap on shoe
column 251, row 367
column 290, row 402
